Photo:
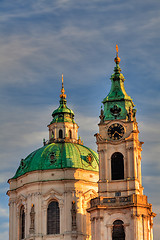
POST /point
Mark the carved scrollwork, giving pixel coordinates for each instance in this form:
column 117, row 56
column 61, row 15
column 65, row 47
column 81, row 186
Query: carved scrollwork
column 99, row 137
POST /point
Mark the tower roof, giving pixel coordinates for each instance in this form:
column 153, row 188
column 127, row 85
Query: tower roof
column 117, row 104
column 62, row 113
column 59, row 156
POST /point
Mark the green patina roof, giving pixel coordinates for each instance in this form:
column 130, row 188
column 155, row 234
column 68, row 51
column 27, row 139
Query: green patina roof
column 117, row 104
column 63, row 113
column 59, row 156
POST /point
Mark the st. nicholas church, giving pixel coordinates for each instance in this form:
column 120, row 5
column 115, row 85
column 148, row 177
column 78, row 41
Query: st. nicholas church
column 66, row 191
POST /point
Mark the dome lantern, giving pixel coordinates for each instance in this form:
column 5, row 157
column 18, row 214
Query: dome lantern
column 63, row 127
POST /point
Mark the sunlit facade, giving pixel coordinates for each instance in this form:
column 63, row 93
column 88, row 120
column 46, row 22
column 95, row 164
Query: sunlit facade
column 121, row 211
column 65, row 190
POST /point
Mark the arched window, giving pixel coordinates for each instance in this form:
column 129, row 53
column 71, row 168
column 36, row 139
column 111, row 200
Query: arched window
column 22, row 223
column 53, row 218
column 118, row 230
column 60, row 133
column 70, row 134
column 117, row 166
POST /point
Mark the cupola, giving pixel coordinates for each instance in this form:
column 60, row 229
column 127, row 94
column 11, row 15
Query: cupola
column 63, row 127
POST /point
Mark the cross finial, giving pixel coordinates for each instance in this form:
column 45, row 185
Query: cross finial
column 117, row 49
column 117, row 59
column 62, row 90
column 62, row 78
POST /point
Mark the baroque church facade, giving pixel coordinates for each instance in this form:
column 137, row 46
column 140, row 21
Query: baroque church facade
column 65, row 190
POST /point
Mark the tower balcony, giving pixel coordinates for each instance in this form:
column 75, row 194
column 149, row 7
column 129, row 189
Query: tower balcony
column 113, row 202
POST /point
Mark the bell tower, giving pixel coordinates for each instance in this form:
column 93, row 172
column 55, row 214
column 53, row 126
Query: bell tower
column 121, row 211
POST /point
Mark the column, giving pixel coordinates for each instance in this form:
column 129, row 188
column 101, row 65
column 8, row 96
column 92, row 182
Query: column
column 109, row 232
column 129, row 174
column 109, row 168
column 101, row 166
column 93, row 228
column 105, row 161
column 15, row 220
column 127, row 232
column 11, row 220
column 26, row 219
column 44, row 219
column 135, row 226
column 18, row 222
column 38, row 213
column 135, row 161
column 61, row 205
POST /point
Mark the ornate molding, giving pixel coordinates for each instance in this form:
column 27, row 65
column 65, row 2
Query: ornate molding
column 35, row 194
column 52, row 194
column 99, row 138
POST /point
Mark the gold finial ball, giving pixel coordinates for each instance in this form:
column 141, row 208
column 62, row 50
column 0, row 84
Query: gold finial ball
column 117, row 60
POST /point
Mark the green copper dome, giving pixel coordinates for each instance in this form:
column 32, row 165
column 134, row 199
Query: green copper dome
column 63, row 113
column 117, row 104
column 59, row 156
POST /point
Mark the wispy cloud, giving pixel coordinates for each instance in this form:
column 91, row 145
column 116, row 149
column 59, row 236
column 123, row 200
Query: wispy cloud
column 41, row 39
column 4, row 235
column 4, row 212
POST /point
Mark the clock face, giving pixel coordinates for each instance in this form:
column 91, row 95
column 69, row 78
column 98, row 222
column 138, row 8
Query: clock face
column 116, row 131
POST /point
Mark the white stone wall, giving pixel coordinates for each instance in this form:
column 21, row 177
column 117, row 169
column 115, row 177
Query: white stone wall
column 65, row 127
column 39, row 188
column 136, row 226
column 131, row 149
column 137, row 214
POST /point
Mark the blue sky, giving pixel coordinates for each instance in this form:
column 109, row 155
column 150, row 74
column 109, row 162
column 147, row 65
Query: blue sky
column 40, row 40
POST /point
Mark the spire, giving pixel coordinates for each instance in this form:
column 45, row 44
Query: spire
column 117, row 59
column 117, row 103
column 62, row 95
column 63, row 113
column 117, row 75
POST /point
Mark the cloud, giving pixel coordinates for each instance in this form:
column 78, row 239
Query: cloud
column 41, row 39
column 4, row 177
column 4, row 212
column 4, row 235
column 5, row 225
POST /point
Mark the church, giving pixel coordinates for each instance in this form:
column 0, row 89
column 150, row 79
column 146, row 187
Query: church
column 65, row 190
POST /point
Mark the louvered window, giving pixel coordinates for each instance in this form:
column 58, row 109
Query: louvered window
column 117, row 166
column 70, row 134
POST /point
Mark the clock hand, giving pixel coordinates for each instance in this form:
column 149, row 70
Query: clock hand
column 117, row 132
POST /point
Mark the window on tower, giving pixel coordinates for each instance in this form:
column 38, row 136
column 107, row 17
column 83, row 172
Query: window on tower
column 118, row 230
column 22, row 223
column 117, row 166
column 60, row 133
column 70, row 134
column 53, row 218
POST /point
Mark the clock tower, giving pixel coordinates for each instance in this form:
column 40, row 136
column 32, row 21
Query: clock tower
column 121, row 211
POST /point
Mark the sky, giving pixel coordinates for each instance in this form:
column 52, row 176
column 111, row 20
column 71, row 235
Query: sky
column 40, row 40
